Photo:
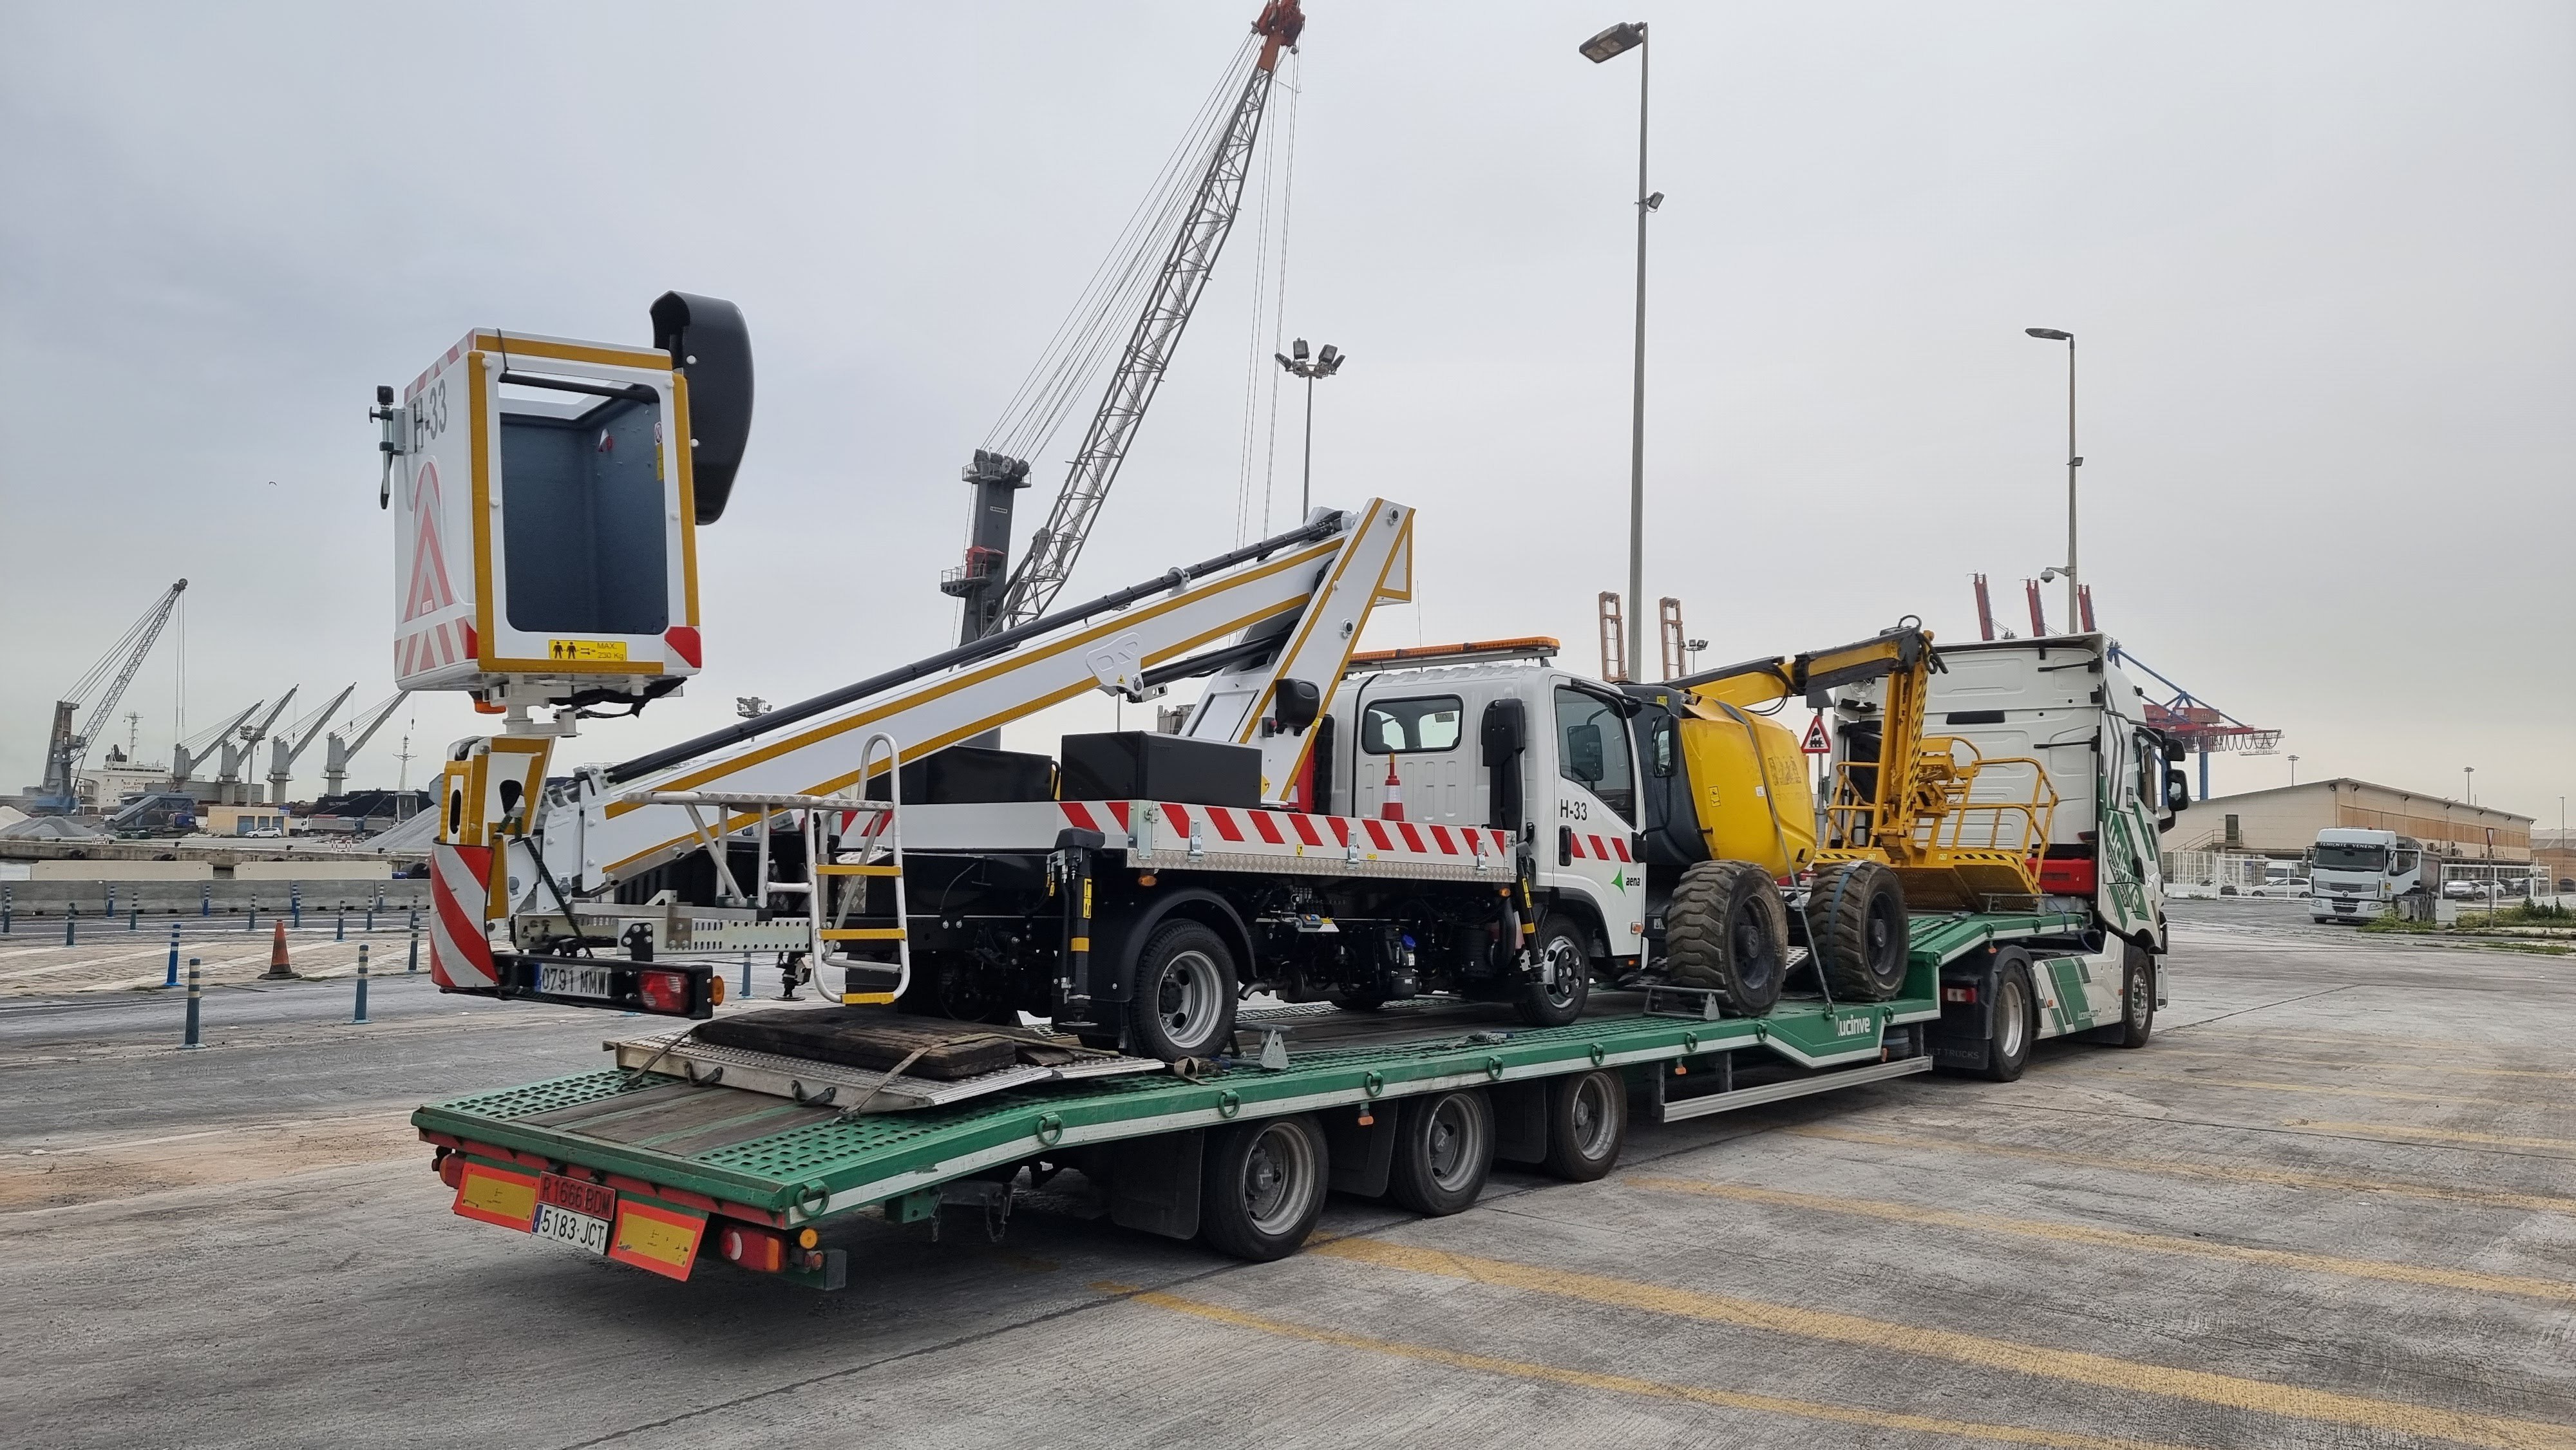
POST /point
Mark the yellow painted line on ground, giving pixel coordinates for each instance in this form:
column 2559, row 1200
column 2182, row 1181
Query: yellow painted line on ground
column 2073, row 1233
column 1629, row 1385
column 2073, row 1366
column 2442, row 1135
column 2444, row 1068
column 2322, row 1089
column 2220, row 1172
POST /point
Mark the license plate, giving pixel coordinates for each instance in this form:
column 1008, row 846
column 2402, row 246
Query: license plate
column 573, row 981
column 590, row 1235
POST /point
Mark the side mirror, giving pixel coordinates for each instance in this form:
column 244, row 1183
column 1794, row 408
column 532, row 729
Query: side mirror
column 1294, row 705
column 1503, row 733
column 1584, row 758
column 2177, row 792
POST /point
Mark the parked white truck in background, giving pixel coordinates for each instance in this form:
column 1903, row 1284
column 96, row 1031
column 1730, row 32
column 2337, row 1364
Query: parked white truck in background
column 2357, row 874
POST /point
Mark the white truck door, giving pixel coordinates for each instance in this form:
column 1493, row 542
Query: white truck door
column 1583, row 780
column 1422, row 734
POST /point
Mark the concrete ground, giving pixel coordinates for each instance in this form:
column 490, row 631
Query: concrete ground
column 2333, row 1204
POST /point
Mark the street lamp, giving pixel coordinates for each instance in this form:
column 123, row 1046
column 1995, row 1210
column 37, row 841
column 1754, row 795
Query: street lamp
column 2073, row 462
column 2294, row 770
column 2468, row 785
column 1322, row 365
column 1619, row 40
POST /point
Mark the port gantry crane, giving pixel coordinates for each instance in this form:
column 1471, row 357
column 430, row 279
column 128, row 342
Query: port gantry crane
column 340, row 748
column 288, row 745
column 66, row 748
column 997, row 602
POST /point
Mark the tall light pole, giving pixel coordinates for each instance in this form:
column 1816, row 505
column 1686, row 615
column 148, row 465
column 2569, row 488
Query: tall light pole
column 2073, row 462
column 1322, row 365
column 2294, row 770
column 1619, row 40
column 2468, row 785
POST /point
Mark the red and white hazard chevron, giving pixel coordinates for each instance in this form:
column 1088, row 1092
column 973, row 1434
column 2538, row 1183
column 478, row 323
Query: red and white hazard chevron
column 438, row 645
column 460, row 889
column 1220, row 837
column 1613, row 847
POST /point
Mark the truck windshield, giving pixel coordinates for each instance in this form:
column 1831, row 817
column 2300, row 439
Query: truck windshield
column 2332, row 857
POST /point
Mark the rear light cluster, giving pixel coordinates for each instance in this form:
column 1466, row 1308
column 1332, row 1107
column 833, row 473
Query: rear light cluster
column 1958, row 994
column 765, row 1250
column 663, row 991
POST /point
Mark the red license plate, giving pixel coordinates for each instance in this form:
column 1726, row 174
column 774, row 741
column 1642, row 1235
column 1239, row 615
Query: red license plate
column 575, row 1195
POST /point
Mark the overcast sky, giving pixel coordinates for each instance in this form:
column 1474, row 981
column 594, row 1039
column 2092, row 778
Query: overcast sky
column 2317, row 256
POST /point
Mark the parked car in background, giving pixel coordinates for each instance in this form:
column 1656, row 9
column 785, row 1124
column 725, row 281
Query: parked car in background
column 2294, row 888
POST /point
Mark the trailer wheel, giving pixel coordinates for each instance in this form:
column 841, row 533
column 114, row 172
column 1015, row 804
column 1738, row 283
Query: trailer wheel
column 1587, row 1125
column 1562, row 947
column 1856, row 918
column 1263, row 1187
column 2016, row 1018
column 2137, row 1001
column 1444, row 1147
column 1182, row 1002
column 1726, row 931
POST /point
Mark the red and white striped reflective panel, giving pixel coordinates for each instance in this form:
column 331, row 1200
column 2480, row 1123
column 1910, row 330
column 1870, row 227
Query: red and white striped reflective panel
column 1586, row 846
column 460, row 889
column 1248, row 830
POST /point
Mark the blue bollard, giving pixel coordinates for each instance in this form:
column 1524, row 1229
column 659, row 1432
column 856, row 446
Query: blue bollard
column 8, row 909
column 413, row 965
column 746, row 976
column 250, row 922
column 194, row 992
column 294, row 906
column 111, row 900
column 371, row 921
column 71, row 924
column 134, row 917
column 362, row 984
column 341, row 932
column 205, row 901
column 171, row 978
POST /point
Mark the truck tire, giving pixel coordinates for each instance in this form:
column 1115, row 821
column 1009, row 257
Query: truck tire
column 1856, row 922
column 1587, row 1125
column 1182, row 1001
column 2137, row 1001
column 1560, row 939
column 1444, row 1147
column 2015, row 1024
column 1726, row 931
column 1262, row 1187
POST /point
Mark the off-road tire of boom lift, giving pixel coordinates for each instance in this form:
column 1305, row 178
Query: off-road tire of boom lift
column 2015, row 1023
column 2137, row 1001
column 1856, row 917
column 1174, row 956
column 1726, row 931
column 1587, row 1125
column 1444, row 1147
column 1563, row 935
column 1262, row 1186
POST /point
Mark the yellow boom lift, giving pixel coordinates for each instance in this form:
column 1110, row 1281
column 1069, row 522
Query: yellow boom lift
column 1734, row 828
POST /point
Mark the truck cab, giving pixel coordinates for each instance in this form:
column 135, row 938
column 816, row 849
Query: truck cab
column 1521, row 747
column 2358, row 873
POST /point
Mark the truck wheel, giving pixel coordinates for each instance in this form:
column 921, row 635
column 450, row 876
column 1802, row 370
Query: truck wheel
column 2137, row 1001
column 1263, row 1187
column 1444, row 1147
column 1561, row 946
column 1587, row 1125
column 1726, row 931
column 1856, row 916
column 1182, row 1002
column 2016, row 1019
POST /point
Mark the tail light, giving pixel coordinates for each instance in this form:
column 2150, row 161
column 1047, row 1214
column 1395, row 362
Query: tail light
column 1958, row 994
column 750, row 1247
column 663, row 991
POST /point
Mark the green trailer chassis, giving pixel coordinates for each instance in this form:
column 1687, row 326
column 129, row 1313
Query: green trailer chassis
column 762, row 1159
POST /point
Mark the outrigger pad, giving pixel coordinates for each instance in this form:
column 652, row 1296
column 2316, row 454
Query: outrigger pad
column 870, row 1037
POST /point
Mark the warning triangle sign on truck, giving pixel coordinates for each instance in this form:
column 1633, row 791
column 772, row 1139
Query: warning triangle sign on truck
column 1815, row 743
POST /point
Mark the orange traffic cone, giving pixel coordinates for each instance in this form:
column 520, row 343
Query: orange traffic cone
column 1392, row 808
column 277, row 962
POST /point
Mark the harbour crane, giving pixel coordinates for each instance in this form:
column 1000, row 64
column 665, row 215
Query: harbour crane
column 339, row 748
column 993, row 601
column 291, row 743
column 186, row 754
column 238, row 747
column 67, row 747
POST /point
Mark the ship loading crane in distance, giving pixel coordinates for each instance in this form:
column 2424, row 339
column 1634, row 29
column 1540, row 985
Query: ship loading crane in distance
column 997, row 595
column 67, row 747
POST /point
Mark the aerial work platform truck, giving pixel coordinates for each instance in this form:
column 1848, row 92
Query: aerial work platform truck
column 1366, row 923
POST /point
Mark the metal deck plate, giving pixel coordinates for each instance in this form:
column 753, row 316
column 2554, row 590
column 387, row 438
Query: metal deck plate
column 673, row 1054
